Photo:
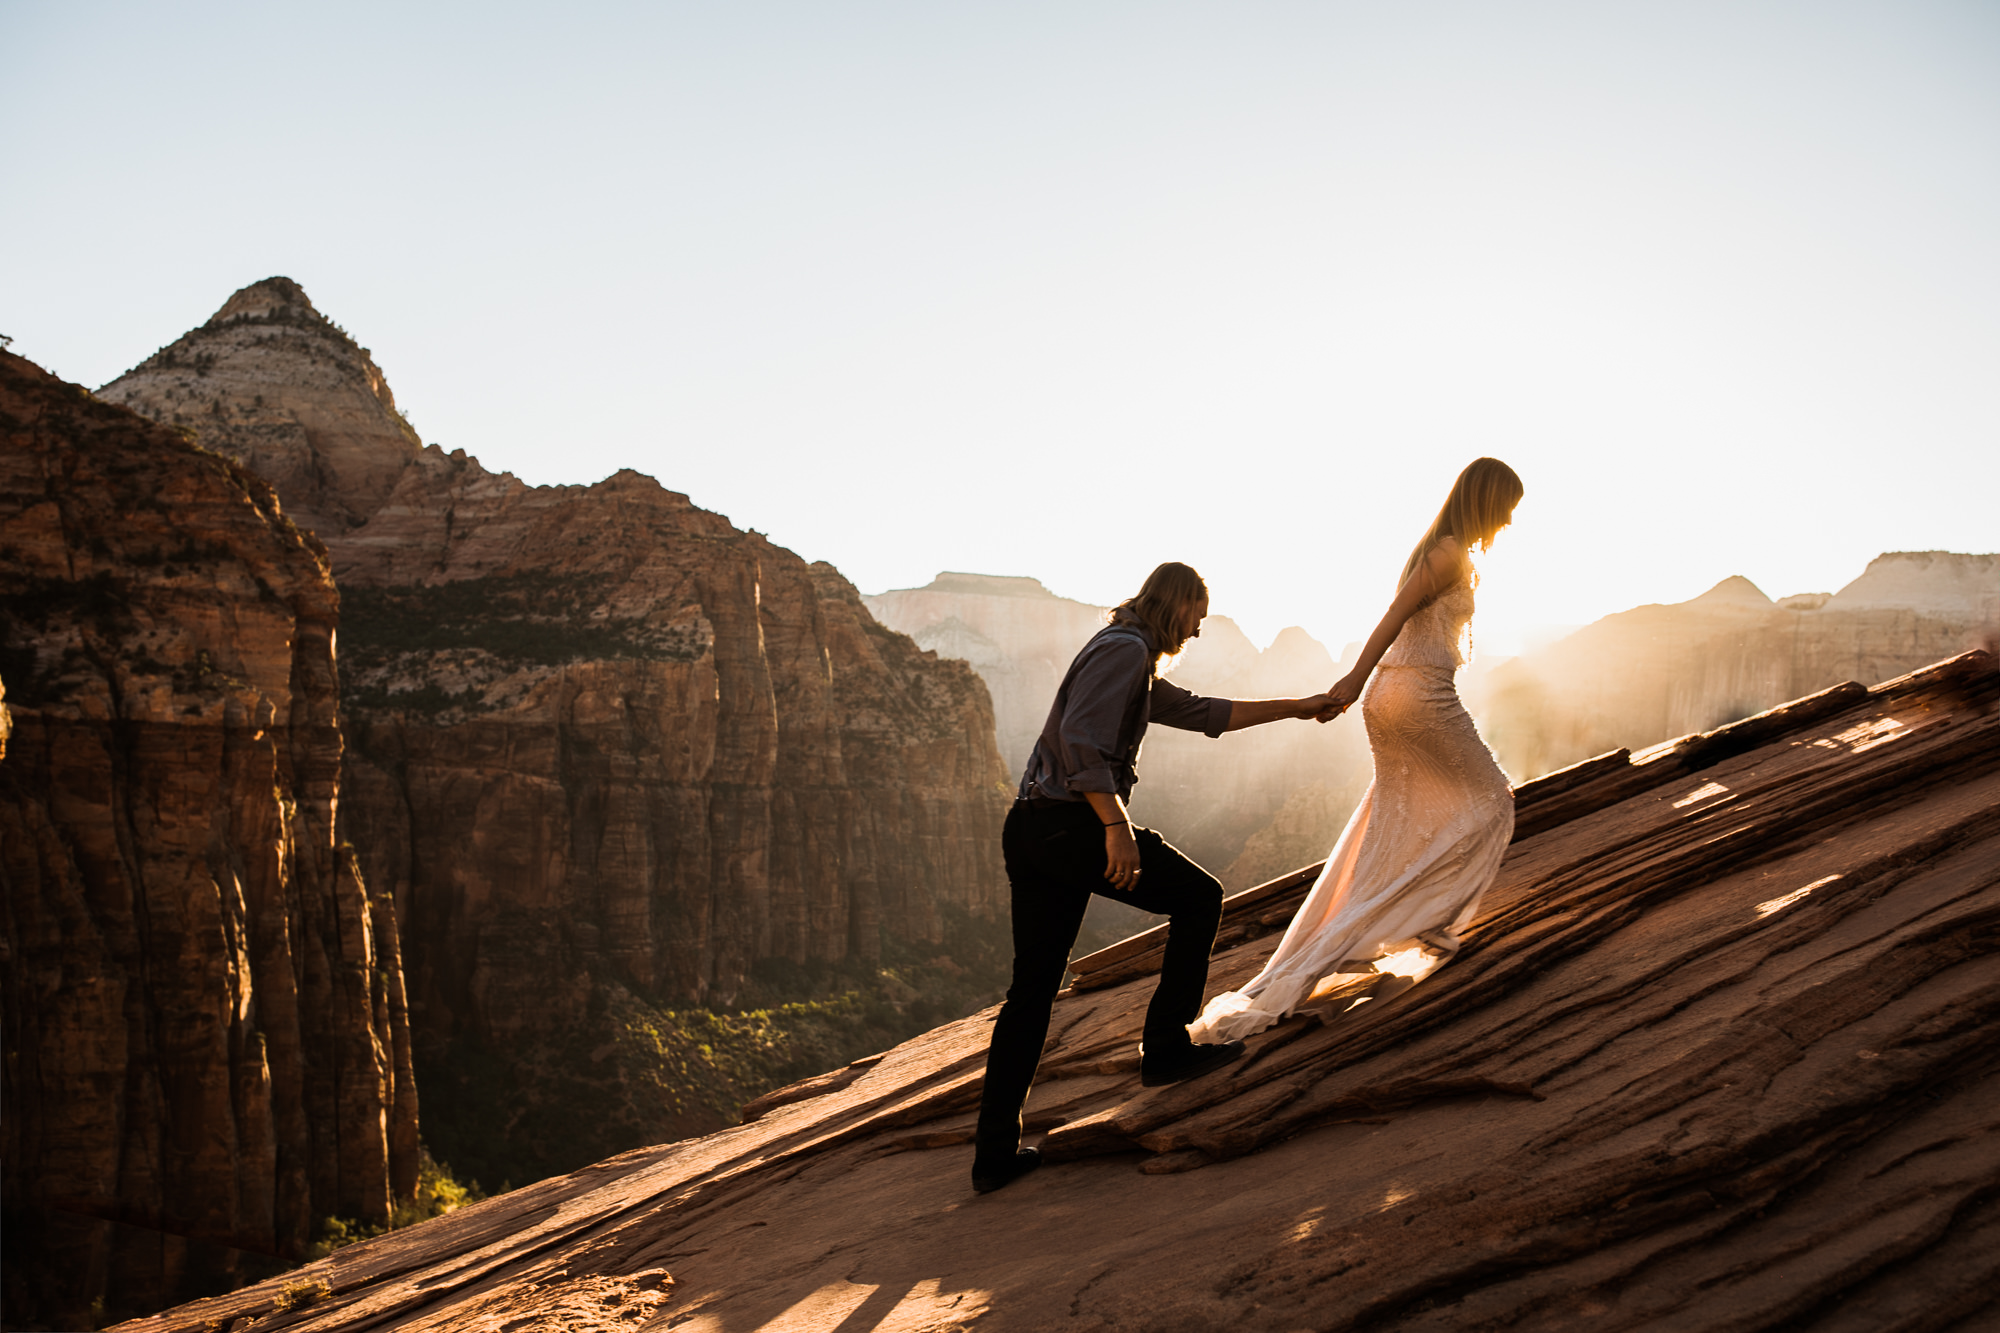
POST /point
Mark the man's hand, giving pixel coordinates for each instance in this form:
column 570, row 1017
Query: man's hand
column 1318, row 707
column 1121, row 858
column 1256, row 712
column 1121, row 850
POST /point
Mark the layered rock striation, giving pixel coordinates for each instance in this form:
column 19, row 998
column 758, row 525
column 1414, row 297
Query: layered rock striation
column 206, row 1040
column 1642, row 675
column 609, row 754
column 1719, row 1053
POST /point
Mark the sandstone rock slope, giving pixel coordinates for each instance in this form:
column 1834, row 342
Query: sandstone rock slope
column 1719, row 1054
column 206, row 1044
column 610, row 754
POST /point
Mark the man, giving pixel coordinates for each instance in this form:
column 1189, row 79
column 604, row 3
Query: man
column 1068, row 836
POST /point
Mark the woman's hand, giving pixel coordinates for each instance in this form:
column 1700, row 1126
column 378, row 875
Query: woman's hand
column 1121, row 857
column 1442, row 568
column 1343, row 694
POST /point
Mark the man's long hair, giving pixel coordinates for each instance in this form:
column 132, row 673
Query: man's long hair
column 1478, row 507
column 1167, row 591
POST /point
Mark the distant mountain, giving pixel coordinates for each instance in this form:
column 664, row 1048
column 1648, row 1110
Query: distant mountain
column 1950, row 586
column 1653, row 672
column 277, row 386
column 1017, row 635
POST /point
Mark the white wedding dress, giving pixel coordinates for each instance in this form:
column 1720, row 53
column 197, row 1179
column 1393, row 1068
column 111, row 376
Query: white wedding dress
column 1422, row 847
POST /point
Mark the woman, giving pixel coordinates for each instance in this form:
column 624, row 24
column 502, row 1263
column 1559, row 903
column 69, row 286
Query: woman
column 1427, row 838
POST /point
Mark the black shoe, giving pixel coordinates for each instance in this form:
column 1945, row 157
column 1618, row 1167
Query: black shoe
column 986, row 1179
column 1190, row 1063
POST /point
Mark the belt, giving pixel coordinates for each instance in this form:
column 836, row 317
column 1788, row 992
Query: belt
column 1048, row 803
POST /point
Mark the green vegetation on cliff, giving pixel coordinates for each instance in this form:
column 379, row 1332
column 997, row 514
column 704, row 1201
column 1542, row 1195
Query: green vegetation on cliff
column 539, row 618
column 505, row 1123
column 438, row 1192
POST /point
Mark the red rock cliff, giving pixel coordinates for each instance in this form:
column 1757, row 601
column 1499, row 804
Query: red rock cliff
column 205, row 1035
column 609, row 753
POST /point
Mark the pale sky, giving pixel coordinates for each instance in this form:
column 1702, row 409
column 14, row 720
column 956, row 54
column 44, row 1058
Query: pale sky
column 1069, row 289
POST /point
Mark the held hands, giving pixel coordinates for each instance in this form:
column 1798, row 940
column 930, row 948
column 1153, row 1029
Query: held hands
column 1339, row 699
column 1121, row 857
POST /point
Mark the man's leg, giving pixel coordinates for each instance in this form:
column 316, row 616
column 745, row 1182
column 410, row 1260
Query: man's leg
column 1048, row 908
column 1191, row 900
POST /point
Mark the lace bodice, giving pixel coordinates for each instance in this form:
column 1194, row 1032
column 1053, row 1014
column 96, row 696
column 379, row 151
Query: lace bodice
column 1438, row 635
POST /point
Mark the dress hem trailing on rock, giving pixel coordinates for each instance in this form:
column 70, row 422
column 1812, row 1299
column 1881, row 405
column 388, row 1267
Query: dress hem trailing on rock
column 1419, row 851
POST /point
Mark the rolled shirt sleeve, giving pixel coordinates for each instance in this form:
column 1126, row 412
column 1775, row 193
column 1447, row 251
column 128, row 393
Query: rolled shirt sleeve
column 1099, row 718
column 1176, row 707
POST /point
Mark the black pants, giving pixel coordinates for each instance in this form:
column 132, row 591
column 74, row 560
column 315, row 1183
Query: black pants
column 1055, row 861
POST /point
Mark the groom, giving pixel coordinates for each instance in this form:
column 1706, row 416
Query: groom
column 1069, row 836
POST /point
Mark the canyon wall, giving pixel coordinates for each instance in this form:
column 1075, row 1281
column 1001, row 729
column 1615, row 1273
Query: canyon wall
column 206, row 1042
column 610, row 754
column 1210, row 797
column 1643, row 675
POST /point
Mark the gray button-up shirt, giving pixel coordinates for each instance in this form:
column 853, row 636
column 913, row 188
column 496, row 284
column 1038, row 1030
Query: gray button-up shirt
column 1091, row 740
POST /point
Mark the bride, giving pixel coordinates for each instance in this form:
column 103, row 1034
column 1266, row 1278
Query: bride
column 1427, row 839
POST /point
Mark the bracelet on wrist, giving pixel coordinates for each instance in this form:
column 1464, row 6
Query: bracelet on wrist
column 1116, row 822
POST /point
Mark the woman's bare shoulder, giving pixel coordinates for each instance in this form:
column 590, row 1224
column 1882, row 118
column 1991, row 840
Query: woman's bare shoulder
column 1447, row 558
column 1446, row 566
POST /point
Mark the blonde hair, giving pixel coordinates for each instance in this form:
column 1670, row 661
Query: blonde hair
column 1480, row 503
column 1157, row 609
